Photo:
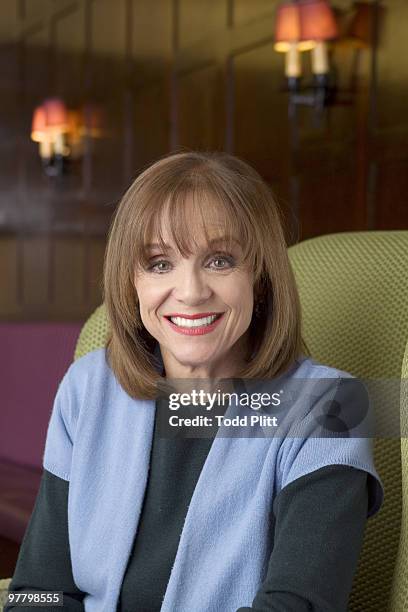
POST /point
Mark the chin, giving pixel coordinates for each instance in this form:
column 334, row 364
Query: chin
column 192, row 360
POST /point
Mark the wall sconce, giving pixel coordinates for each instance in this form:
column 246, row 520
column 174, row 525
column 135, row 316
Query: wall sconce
column 306, row 25
column 60, row 133
column 309, row 25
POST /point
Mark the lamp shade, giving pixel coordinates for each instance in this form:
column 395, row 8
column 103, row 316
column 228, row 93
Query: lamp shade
column 56, row 113
column 38, row 124
column 288, row 28
column 287, row 23
column 317, row 20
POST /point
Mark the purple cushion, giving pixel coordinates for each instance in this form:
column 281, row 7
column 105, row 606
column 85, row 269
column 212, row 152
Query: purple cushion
column 33, row 359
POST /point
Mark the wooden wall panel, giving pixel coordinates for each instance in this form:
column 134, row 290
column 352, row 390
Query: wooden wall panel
column 108, row 25
column 94, row 266
column 151, row 54
column 391, row 194
column 260, row 118
column 392, row 98
column 68, row 68
column 36, row 62
column 107, row 154
column 9, row 21
column 37, row 9
column 245, row 11
column 69, row 41
column 68, row 277
column 197, row 90
column 326, row 202
column 199, row 20
column 35, row 273
column 389, row 163
column 8, row 276
column 151, row 125
column 70, row 32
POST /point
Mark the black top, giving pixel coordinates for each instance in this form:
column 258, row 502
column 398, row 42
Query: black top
column 317, row 527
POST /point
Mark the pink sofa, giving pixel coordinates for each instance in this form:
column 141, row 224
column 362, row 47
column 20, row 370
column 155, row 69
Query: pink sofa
column 33, row 360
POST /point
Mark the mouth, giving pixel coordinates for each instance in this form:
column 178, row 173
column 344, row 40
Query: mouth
column 194, row 326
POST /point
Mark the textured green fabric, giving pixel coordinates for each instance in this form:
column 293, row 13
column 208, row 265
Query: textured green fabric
column 4, row 585
column 93, row 334
column 354, row 293
column 399, row 599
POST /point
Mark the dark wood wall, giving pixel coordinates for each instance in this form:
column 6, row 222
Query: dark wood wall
column 190, row 73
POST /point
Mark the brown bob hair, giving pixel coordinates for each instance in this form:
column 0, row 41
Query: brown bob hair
column 249, row 211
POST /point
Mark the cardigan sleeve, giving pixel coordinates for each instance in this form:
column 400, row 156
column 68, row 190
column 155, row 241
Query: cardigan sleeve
column 44, row 562
column 320, row 520
column 61, row 427
column 335, row 430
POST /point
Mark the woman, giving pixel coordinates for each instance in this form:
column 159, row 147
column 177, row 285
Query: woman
column 197, row 287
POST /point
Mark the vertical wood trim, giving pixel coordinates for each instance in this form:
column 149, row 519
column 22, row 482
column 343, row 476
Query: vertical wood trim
column 230, row 13
column 20, row 268
column 87, row 83
column 86, row 260
column 128, row 96
column 229, row 104
column 52, row 56
column 51, row 267
column 21, row 97
column 371, row 194
column 175, row 43
column 372, row 183
column 361, row 102
column 294, row 181
column 174, row 94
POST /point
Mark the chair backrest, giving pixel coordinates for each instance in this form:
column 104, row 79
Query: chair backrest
column 354, row 293
column 399, row 599
column 93, row 334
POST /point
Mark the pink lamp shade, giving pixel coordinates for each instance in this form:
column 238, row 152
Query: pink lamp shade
column 56, row 113
column 287, row 23
column 317, row 20
column 39, row 124
column 288, row 28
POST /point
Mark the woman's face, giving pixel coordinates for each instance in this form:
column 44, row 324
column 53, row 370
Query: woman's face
column 211, row 280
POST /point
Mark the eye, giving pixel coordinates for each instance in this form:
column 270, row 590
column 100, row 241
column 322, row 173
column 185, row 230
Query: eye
column 154, row 268
column 223, row 258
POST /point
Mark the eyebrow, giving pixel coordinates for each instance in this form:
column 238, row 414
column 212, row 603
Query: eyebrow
column 219, row 240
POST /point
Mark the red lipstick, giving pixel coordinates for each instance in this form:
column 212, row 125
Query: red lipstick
column 195, row 331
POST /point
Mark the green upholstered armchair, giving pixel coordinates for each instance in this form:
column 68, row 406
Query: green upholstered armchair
column 354, row 293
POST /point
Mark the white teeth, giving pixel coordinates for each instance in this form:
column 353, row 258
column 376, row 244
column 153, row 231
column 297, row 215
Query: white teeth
column 193, row 322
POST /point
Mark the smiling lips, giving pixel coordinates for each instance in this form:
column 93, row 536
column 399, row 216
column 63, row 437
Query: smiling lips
column 194, row 325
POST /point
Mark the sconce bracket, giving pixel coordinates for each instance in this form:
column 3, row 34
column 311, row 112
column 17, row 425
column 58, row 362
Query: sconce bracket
column 318, row 95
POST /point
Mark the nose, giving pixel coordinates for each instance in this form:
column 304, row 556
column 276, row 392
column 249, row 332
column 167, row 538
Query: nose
column 192, row 286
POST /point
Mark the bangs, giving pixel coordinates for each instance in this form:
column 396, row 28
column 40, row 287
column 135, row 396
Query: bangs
column 195, row 209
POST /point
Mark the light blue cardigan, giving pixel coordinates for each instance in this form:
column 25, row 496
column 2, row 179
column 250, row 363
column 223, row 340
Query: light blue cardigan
column 99, row 439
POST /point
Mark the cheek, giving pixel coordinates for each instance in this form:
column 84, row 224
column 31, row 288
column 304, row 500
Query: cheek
column 149, row 294
column 240, row 294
